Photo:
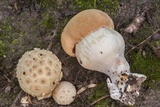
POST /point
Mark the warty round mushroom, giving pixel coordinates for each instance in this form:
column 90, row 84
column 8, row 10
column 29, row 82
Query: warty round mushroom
column 38, row 72
column 101, row 49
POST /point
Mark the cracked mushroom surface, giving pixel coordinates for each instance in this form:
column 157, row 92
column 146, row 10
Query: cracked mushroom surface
column 64, row 93
column 39, row 72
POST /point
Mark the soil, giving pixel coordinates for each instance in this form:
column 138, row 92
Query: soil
column 26, row 24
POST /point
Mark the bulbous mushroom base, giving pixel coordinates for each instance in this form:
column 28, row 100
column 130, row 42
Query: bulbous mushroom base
column 103, row 51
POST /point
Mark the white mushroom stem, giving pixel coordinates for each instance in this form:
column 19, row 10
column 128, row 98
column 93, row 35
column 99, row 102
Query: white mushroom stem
column 103, row 50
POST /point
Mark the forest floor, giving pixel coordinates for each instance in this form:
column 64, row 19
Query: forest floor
column 29, row 24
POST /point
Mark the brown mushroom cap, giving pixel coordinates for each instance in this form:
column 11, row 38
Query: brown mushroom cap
column 81, row 25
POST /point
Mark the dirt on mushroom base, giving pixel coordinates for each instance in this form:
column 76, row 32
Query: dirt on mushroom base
column 25, row 25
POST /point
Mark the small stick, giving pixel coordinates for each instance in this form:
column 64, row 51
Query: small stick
column 133, row 27
column 15, row 6
column 16, row 99
column 51, row 39
column 138, row 20
column 9, row 80
column 96, row 101
column 142, row 41
column 85, row 88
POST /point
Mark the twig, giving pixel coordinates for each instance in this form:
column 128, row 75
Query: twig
column 9, row 80
column 51, row 39
column 142, row 41
column 138, row 20
column 85, row 88
column 49, row 46
column 96, row 101
column 133, row 27
column 16, row 99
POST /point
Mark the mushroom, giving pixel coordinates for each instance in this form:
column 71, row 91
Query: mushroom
column 38, row 72
column 100, row 48
column 81, row 25
column 64, row 93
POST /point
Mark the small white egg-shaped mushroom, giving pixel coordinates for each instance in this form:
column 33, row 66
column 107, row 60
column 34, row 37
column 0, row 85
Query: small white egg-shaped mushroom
column 39, row 72
column 64, row 93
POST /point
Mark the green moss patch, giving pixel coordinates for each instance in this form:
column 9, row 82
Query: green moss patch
column 108, row 6
column 98, row 92
column 149, row 66
column 47, row 21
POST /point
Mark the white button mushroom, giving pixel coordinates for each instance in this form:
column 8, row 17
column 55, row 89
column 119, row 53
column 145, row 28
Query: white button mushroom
column 64, row 93
column 101, row 48
column 38, row 72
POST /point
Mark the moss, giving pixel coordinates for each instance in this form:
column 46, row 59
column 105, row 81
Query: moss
column 99, row 91
column 46, row 3
column 8, row 37
column 2, row 45
column 141, row 35
column 147, row 65
column 109, row 6
column 8, row 98
column 86, row 4
column 47, row 21
column 142, row 59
